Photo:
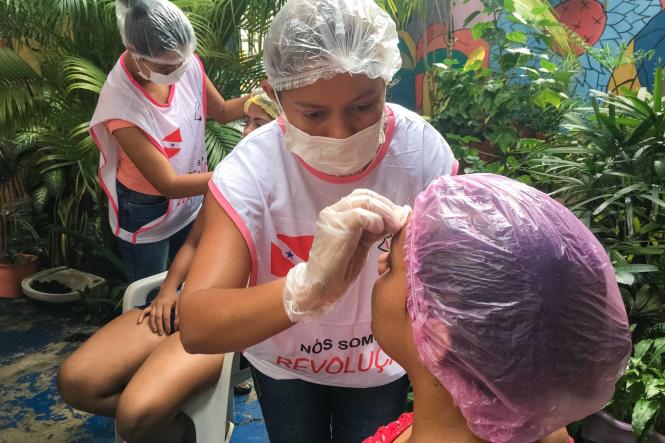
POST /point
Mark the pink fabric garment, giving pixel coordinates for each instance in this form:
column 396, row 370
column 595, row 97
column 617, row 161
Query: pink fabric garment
column 515, row 306
column 390, row 432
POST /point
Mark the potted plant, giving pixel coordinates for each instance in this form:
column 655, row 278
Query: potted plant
column 637, row 411
column 17, row 238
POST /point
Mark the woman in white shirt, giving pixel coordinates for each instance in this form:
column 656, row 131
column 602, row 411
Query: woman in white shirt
column 319, row 374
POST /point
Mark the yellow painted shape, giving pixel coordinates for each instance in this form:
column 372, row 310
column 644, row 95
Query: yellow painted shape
column 625, row 76
column 408, row 41
column 476, row 56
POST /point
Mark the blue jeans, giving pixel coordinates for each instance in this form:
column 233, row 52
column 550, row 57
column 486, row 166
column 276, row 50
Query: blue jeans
column 298, row 411
column 135, row 210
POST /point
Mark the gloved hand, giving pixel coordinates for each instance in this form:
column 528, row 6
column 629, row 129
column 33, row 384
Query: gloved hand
column 344, row 233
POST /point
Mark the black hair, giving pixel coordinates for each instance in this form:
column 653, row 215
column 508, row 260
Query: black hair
column 153, row 28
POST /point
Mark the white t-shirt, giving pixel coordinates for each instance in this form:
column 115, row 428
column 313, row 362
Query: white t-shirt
column 274, row 199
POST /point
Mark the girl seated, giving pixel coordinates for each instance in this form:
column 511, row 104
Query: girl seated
column 505, row 312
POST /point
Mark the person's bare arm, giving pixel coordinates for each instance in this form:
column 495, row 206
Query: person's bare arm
column 160, row 310
column 156, row 168
column 229, row 318
column 183, row 259
column 224, row 111
column 217, row 312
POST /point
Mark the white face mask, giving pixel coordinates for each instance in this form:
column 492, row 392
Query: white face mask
column 163, row 79
column 334, row 156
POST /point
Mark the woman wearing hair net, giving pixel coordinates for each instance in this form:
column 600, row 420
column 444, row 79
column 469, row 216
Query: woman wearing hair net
column 149, row 126
column 319, row 374
column 504, row 310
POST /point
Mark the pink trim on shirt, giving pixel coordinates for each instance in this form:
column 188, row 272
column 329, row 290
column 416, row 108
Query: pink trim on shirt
column 170, row 206
column 140, row 88
column 280, row 123
column 455, row 170
column 242, row 227
column 143, row 229
column 383, row 150
column 114, row 204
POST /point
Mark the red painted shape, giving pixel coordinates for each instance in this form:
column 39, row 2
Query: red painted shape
column 174, row 137
column 279, row 264
column 281, row 261
column 435, row 38
column 586, row 18
column 299, row 245
column 466, row 44
column 171, row 152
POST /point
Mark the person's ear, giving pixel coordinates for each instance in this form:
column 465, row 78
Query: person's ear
column 268, row 90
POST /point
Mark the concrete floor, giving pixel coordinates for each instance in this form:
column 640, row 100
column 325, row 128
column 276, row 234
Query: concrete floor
column 34, row 339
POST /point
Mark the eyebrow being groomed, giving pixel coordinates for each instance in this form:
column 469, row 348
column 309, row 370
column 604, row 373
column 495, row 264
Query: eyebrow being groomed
column 385, row 244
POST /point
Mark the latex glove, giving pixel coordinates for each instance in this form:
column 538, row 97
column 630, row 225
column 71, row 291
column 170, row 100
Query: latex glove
column 344, row 234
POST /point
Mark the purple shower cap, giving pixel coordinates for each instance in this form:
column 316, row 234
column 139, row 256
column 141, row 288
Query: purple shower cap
column 515, row 307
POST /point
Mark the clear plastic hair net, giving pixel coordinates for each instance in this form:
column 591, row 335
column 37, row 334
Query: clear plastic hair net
column 156, row 30
column 310, row 40
column 515, row 306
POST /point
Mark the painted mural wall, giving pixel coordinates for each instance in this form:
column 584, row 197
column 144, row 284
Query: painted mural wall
column 639, row 24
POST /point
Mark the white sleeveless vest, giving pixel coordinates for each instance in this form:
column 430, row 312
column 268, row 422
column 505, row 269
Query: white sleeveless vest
column 274, row 199
column 177, row 130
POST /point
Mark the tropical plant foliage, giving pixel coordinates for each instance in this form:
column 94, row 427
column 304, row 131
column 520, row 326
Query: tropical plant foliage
column 603, row 156
column 609, row 168
column 640, row 395
column 53, row 65
column 607, row 165
column 524, row 93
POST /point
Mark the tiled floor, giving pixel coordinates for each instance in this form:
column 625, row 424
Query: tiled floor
column 34, row 339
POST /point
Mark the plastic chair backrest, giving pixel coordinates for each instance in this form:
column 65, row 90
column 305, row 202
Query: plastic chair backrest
column 205, row 408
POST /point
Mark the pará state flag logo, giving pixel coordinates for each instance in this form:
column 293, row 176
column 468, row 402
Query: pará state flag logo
column 287, row 251
column 172, row 143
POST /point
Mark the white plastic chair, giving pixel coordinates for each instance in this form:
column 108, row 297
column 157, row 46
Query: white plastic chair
column 211, row 409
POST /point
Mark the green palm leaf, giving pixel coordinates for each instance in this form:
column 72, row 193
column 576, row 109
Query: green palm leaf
column 74, row 7
column 220, row 140
column 83, row 75
column 20, row 87
column 403, row 11
column 39, row 198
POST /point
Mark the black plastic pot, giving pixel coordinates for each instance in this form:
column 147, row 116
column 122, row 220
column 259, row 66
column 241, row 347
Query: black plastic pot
column 601, row 427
